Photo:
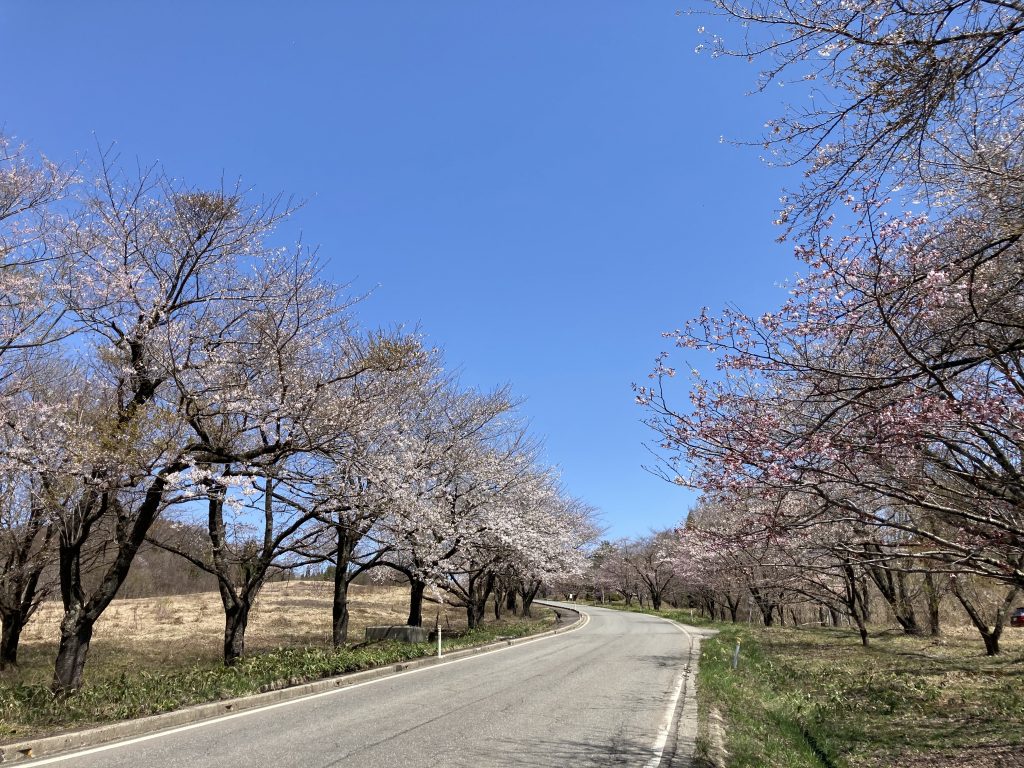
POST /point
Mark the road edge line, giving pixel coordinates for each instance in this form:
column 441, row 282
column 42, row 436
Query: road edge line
column 678, row 711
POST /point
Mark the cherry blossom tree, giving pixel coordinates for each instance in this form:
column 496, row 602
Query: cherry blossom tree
column 31, row 316
column 442, row 477
column 163, row 281
column 897, row 97
column 32, row 321
column 652, row 559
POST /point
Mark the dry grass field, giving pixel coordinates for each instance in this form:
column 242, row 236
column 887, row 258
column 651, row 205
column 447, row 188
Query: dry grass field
column 157, row 654
column 180, row 630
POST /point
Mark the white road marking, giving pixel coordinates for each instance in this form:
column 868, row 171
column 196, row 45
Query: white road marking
column 268, row 707
column 665, row 728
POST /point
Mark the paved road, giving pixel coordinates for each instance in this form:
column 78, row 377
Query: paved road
column 611, row 693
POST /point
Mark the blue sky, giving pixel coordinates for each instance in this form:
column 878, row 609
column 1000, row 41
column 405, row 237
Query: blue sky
column 539, row 186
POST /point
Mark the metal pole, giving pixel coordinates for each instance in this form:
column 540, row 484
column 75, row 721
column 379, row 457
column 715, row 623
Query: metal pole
column 441, row 597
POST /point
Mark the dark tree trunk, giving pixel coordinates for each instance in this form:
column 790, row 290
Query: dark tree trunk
column 934, row 599
column 765, row 605
column 75, row 636
column 81, row 612
column 13, row 623
column 251, row 566
column 416, row 589
column 864, row 595
column 510, row 602
column 339, row 607
column 990, row 636
column 479, row 590
column 347, row 542
column 893, row 587
column 475, row 613
column 861, row 628
column 528, row 592
column 21, row 594
column 734, row 607
column 991, row 643
column 236, row 619
column 856, row 601
column 708, row 604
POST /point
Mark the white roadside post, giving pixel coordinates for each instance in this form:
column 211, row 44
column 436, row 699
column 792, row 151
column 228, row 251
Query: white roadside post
column 441, row 598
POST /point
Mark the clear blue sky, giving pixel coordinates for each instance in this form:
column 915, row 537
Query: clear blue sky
column 540, row 186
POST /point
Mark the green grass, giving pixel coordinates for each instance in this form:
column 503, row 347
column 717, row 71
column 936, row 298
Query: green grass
column 116, row 691
column 816, row 698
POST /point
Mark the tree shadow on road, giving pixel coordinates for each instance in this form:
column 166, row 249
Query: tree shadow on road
column 560, row 753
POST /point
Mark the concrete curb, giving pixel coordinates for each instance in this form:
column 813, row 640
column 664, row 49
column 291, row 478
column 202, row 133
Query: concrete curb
column 716, row 738
column 47, row 746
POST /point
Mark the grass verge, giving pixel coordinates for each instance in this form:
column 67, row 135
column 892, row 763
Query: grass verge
column 28, row 709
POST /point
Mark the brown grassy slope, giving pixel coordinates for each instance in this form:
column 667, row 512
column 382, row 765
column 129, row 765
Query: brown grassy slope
column 166, row 632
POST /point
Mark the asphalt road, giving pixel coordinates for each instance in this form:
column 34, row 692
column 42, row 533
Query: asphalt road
column 613, row 692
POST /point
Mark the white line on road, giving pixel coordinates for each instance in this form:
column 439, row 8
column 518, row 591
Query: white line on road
column 666, row 723
column 257, row 710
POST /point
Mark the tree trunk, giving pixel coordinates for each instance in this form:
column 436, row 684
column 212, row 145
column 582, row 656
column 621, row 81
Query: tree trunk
column 236, row 619
column 861, row 628
column 765, row 605
column 989, row 636
column 347, row 542
column 478, row 591
column 933, row 597
column 81, row 612
column 13, row 623
column 528, row 593
column 510, row 602
column 475, row 613
column 856, row 601
column 864, row 595
column 75, row 636
column 339, row 607
column 21, row 592
column 734, row 607
column 991, row 643
column 894, row 590
column 708, row 605
column 416, row 589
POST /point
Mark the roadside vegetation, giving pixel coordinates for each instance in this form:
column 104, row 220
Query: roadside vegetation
column 816, row 698
column 152, row 656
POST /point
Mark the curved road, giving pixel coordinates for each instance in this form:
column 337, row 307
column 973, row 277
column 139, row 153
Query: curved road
column 614, row 692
